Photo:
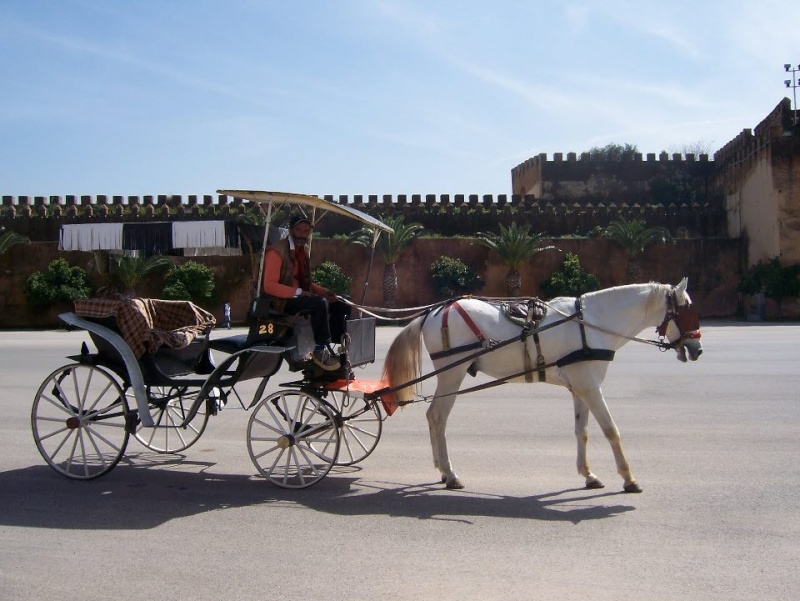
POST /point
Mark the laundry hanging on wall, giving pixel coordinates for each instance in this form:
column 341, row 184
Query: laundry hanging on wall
column 149, row 238
column 90, row 236
column 197, row 237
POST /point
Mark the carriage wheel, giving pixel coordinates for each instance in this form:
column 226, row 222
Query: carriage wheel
column 360, row 426
column 292, row 438
column 169, row 408
column 80, row 421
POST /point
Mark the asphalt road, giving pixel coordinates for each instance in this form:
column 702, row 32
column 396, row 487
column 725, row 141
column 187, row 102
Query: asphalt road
column 714, row 445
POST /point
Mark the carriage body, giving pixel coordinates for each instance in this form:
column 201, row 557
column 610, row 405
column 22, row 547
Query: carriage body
column 140, row 384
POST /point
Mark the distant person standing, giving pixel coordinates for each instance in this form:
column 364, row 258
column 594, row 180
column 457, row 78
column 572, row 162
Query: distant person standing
column 226, row 316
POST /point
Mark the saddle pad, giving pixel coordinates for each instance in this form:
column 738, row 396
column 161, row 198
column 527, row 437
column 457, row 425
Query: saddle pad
column 517, row 311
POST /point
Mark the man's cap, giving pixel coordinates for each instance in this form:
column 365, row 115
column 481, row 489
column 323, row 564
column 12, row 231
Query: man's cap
column 298, row 218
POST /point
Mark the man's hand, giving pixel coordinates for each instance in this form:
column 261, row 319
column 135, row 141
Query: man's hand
column 330, row 295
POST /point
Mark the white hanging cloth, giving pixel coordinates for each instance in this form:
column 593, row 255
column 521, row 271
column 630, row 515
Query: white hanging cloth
column 198, row 234
column 90, row 236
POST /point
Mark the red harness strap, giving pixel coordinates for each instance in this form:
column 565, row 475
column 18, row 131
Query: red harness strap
column 467, row 319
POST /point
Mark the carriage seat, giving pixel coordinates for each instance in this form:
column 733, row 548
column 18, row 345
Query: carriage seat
column 268, row 326
column 168, row 337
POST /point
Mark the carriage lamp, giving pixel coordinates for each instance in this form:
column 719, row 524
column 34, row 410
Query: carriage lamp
column 792, row 83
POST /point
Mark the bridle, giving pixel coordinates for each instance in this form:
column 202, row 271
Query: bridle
column 685, row 319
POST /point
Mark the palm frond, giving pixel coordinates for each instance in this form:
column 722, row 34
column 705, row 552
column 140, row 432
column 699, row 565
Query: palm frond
column 515, row 244
column 390, row 246
column 9, row 239
column 634, row 235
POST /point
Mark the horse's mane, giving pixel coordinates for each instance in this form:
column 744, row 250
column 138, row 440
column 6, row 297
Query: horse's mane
column 653, row 292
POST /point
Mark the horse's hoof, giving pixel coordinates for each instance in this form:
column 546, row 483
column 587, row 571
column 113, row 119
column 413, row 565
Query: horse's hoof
column 454, row 484
column 632, row 487
column 594, row 484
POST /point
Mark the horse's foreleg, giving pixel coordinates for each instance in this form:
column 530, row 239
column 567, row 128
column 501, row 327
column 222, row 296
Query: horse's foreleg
column 437, row 423
column 582, row 438
column 595, row 401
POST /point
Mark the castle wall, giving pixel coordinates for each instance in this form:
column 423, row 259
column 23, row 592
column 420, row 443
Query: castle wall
column 709, row 264
column 759, row 172
column 657, row 180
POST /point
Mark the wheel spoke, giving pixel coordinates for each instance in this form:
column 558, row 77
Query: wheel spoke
column 170, row 408
column 292, row 438
column 79, row 421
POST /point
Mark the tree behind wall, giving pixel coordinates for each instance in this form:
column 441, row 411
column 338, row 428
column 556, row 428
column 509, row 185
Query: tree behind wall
column 634, row 237
column 391, row 246
column 515, row 245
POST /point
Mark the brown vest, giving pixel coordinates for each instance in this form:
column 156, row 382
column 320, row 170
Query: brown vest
column 287, row 272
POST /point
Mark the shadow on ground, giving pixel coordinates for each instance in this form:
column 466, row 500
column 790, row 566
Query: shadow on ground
column 156, row 489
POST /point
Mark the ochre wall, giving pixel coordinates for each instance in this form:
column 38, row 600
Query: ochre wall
column 709, row 264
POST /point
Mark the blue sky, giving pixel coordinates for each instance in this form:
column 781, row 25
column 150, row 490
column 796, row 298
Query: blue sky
column 368, row 96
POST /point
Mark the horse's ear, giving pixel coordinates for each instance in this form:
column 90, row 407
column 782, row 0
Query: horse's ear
column 681, row 287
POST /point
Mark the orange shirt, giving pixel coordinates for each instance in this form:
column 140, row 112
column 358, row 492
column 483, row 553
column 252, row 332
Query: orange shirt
column 272, row 274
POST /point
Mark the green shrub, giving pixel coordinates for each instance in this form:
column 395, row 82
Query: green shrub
column 61, row 283
column 452, row 277
column 570, row 280
column 776, row 281
column 190, row 281
column 329, row 275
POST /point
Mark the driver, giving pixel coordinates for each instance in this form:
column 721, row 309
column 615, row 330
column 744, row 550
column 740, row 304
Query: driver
column 287, row 282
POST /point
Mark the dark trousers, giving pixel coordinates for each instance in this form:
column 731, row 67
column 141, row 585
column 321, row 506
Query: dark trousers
column 327, row 319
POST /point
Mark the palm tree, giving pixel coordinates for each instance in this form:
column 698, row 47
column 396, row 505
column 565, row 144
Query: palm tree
column 634, row 236
column 391, row 247
column 515, row 245
column 128, row 271
column 9, row 239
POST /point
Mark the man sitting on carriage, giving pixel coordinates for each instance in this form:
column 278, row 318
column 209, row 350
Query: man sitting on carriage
column 288, row 285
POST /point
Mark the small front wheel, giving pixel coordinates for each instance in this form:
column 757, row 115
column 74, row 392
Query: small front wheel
column 80, row 421
column 293, row 439
column 170, row 408
column 360, row 426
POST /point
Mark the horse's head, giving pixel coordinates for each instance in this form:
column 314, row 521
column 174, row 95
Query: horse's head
column 681, row 326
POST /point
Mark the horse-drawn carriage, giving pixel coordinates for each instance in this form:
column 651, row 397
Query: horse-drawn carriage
column 85, row 411
column 157, row 373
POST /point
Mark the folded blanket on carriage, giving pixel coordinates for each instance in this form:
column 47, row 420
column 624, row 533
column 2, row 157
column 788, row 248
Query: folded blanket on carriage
column 147, row 323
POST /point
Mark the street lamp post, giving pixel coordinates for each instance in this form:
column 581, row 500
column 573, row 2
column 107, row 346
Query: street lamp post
column 792, row 83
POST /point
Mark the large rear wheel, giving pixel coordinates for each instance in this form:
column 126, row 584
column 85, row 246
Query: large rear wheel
column 80, row 421
column 293, row 439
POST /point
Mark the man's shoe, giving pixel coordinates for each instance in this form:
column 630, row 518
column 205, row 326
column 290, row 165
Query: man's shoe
column 324, row 359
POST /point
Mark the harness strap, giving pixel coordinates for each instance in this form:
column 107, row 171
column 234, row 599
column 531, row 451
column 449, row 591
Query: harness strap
column 446, row 350
column 584, row 354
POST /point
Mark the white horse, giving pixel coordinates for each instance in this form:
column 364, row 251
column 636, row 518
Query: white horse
column 571, row 346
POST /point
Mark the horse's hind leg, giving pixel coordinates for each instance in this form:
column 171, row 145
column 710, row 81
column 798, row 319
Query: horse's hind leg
column 582, row 438
column 437, row 424
column 595, row 401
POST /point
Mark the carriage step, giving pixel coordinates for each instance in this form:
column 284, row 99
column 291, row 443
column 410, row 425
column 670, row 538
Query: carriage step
column 230, row 345
column 240, row 342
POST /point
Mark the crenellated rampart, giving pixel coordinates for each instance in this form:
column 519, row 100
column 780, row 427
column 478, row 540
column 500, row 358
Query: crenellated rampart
column 736, row 159
column 40, row 217
column 655, row 179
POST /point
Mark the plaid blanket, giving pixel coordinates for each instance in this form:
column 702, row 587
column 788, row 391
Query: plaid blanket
column 147, row 324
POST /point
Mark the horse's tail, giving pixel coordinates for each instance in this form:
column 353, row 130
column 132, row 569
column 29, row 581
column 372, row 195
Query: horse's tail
column 404, row 361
